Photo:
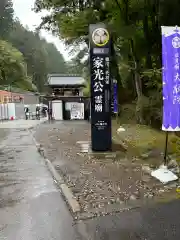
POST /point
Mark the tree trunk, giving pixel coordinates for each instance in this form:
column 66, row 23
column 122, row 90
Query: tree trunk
column 148, row 42
column 138, row 85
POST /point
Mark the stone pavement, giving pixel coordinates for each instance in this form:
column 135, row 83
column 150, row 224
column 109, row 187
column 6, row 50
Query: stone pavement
column 21, row 123
column 101, row 185
column 31, row 206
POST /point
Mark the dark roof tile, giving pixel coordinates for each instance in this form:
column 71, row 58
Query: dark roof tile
column 58, row 79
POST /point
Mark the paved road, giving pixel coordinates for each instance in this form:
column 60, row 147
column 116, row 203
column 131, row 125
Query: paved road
column 21, row 123
column 160, row 222
column 31, row 207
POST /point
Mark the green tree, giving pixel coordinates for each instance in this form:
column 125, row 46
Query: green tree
column 136, row 32
column 55, row 60
column 135, row 27
column 6, row 18
column 12, row 66
column 41, row 57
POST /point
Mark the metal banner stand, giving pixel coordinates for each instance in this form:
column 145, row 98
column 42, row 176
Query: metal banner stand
column 166, row 149
column 170, row 43
column 163, row 174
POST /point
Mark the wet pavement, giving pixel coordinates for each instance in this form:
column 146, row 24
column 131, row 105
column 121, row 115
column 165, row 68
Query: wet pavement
column 21, row 123
column 160, row 222
column 31, row 206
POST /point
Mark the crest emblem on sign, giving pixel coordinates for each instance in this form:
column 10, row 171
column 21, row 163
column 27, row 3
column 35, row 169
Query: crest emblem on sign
column 176, row 42
column 100, row 37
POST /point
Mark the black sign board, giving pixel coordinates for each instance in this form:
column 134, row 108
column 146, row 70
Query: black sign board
column 100, row 53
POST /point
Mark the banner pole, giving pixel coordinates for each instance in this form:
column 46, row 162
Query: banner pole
column 166, row 149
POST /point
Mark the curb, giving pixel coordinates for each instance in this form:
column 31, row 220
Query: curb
column 65, row 190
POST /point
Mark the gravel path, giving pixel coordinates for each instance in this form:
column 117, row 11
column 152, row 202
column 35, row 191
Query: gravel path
column 95, row 181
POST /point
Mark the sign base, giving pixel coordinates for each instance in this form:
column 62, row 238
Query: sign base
column 164, row 175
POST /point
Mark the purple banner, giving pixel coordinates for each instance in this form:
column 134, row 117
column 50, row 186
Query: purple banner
column 171, row 78
column 115, row 97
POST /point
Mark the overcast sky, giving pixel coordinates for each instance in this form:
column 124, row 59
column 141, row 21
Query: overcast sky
column 28, row 18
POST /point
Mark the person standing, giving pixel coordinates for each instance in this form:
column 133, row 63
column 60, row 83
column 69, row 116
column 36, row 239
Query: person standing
column 26, row 110
column 44, row 110
column 37, row 112
column 49, row 114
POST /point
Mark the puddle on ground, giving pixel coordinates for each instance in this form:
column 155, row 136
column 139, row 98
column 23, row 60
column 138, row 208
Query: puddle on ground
column 18, row 151
column 4, row 170
column 1, row 153
column 8, row 203
column 3, row 185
